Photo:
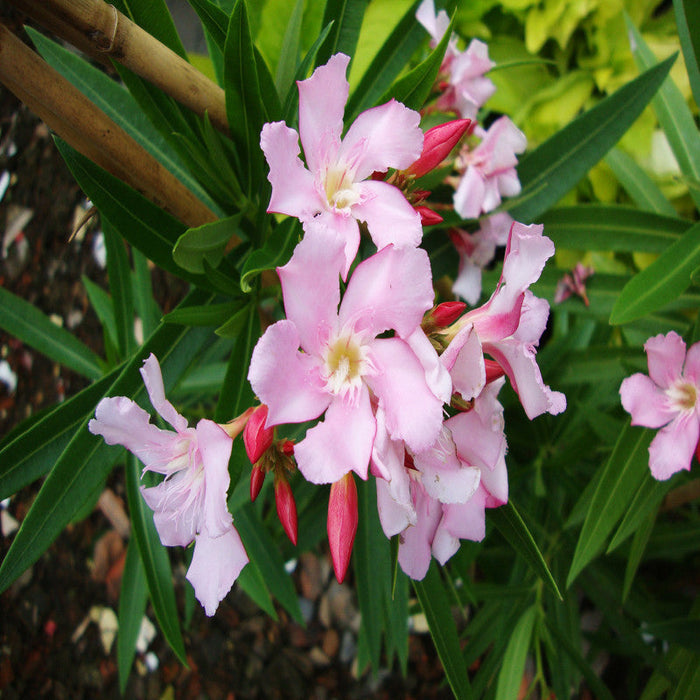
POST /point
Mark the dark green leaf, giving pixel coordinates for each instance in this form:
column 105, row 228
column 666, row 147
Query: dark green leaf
column 289, row 51
column 552, row 169
column 207, row 241
column 510, row 675
column 211, row 315
column 156, row 19
column 120, row 287
column 276, row 252
column 662, row 282
column 24, row 321
column 688, row 23
column 346, row 16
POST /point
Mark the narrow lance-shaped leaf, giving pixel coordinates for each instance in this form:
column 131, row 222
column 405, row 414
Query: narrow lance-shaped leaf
column 552, row 169
column 510, row 675
column 120, row 286
column 346, row 16
column 662, row 282
column 688, row 23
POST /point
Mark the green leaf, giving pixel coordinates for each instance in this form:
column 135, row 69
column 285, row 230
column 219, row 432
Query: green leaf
column 682, row 631
column 614, row 228
column 346, row 16
column 146, row 306
column 644, row 192
column 390, row 60
column 33, row 452
column 210, row 315
column 214, row 20
column 510, row 676
column 155, row 561
column 435, row 603
column 620, row 477
column 147, row 227
column 639, row 544
column 120, row 106
column 662, row 282
column 414, row 87
column 673, row 113
column 207, row 241
column 87, row 459
column 688, row 23
column 24, row 321
column 119, row 272
column 263, row 550
column 253, row 583
column 156, row 19
column 132, row 607
column 102, row 305
column 509, row 523
column 289, row 51
column 552, row 169
column 372, row 567
column 276, row 252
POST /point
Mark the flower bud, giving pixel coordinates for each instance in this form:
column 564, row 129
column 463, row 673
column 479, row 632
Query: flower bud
column 493, row 370
column 257, row 477
column 342, row 523
column 437, row 144
column 287, row 447
column 256, row 437
column 286, row 507
column 447, row 313
column 428, row 217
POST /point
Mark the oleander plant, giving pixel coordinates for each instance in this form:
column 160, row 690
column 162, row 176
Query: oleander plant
column 442, row 323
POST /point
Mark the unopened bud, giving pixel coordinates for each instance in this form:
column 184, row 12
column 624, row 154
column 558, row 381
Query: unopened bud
column 286, row 507
column 493, row 370
column 447, row 313
column 342, row 523
column 437, row 144
column 428, row 217
column 256, row 437
column 257, row 477
column 287, row 447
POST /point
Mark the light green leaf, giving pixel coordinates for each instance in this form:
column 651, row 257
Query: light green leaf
column 510, row 676
column 552, row 169
column 688, row 23
column 276, row 252
column 24, row 321
column 662, row 282
column 289, row 51
column 207, row 241
column 620, row 477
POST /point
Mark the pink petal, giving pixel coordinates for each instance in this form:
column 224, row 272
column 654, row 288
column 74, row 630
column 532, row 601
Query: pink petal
column 645, row 402
column 387, row 136
column 413, row 413
column 174, row 512
column 285, row 379
column 673, row 447
column 311, row 287
column 464, row 359
column 216, row 564
column 415, row 541
column 153, row 379
column 215, row 448
column 322, row 99
column 436, row 375
column 389, row 216
column 666, row 354
column 395, row 514
column 293, row 190
column 465, row 521
column 691, row 371
column 340, row 443
column 390, row 290
column 120, row 421
column 468, row 282
column 469, row 195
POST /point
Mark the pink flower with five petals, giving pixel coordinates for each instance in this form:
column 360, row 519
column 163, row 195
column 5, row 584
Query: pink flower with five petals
column 669, row 398
column 334, row 184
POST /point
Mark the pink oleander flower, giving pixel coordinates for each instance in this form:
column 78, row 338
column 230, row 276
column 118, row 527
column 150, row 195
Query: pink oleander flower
column 466, row 88
column 334, row 184
column 489, row 169
column 476, row 251
column 441, row 496
column 190, row 503
column 328, row 359
column 507, row 327
column 574, row 283
column 667, row 399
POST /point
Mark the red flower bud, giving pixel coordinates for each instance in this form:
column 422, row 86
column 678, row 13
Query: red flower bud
column 447, row 313
column 437, row 144
column 287, row 448
column 428, row 217
column 256, row 437
column 493, row 370
column 257, row 477
column 342, row 523
column 286, row 507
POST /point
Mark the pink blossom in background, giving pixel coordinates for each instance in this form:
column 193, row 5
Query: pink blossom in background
column 508, row 327
column 488, row 171
column 667, row 399
column 190, row 503
column 334, row 184
column 476, row 251
column 466, row 88
column 574, row 283
column 326, row 358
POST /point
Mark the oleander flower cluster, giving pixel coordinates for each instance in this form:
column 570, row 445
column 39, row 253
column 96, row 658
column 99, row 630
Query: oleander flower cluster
column 395, row 388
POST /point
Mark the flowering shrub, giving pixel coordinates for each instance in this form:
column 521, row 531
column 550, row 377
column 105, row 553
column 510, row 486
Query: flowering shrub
column 371, row 263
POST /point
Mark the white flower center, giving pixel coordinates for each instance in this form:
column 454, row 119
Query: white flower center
column 683, row 396
column 345, row 363
column 340, row 189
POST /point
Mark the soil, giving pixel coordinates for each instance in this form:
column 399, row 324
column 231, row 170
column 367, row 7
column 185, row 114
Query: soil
column 49, row 647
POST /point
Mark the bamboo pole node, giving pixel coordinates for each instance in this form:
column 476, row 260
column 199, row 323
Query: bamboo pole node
column 110, row 46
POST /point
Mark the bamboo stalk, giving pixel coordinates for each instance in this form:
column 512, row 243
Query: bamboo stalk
column 90, row 131
column 104, row 31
